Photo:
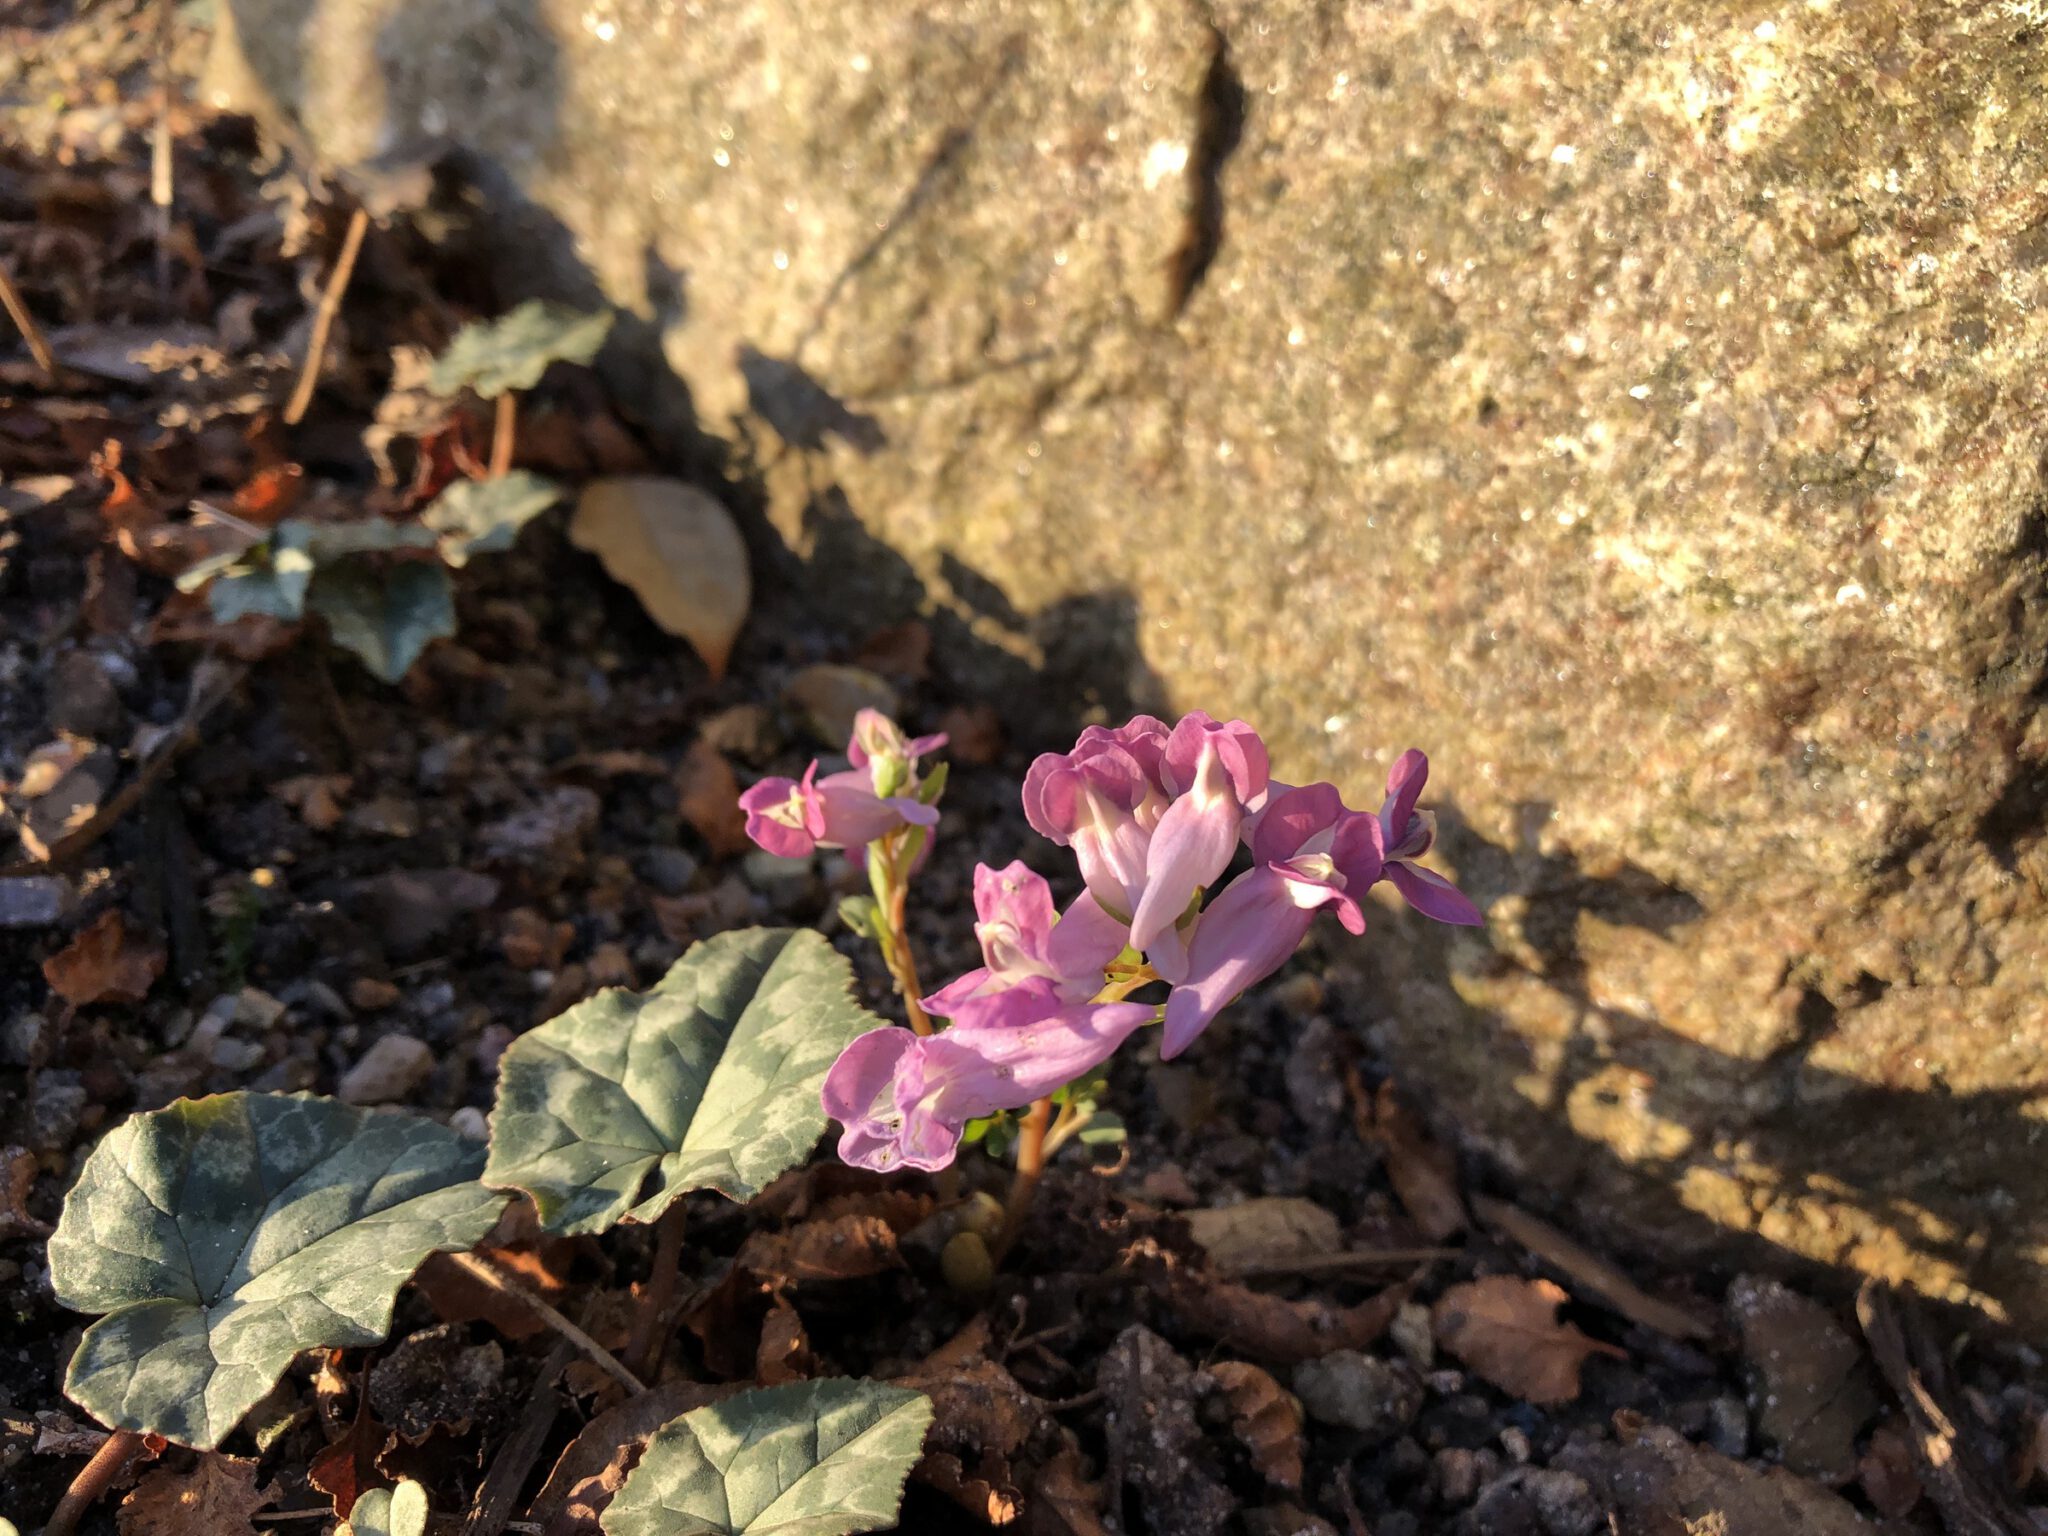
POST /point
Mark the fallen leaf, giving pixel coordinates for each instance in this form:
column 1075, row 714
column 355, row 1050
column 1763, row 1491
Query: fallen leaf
column 1423, row 1171
column 105, row 964
column 541, row 1267
column 1811, row 1388
column 1274, row 1328
column 848, row 1247
column 978, row 1406
column 708, row 796
column 679, row 551
column 985, row 1493
column 1590, row 1274
column 1888, row 1475
column 1264, row 1231
column 216, row 1498
column 316, row 797
column 17, row 1178
column 1063, row 1501
column 829, row 696
column 594, row 1464
column 346, row 1468
column 785, row 1351
column 1506, row 1329
column 1266, row 1419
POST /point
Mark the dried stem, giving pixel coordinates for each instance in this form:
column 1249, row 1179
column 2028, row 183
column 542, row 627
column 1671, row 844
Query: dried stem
column 488, row 1274
column 94, row 1479
column 17, row 311
column 502, row 428
column 643, row 1350
column 323, row 318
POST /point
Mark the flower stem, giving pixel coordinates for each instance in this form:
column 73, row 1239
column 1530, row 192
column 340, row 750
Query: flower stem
column 94, row 1479
column 891, row 882
column 643, row 1351
column 1030, row 1167
column 504, row 424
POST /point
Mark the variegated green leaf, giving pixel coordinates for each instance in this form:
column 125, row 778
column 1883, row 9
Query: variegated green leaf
column 708, row 1081
column 400, row 1511
column 386, row 617
column 514, row 350
column 224, row 1235
column 483, row 517
column 820, row 1458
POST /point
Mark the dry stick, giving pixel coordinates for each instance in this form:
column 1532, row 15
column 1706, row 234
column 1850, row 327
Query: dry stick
column 502, row 426
column 478, row 1269
column 1338, row 1263
column 643, row 1350
column 323, row 318
column 17, row 311
column 492, row 1506
column 94, row 1479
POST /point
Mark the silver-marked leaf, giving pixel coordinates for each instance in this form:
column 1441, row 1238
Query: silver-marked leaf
column 483, row 517
column 224, row 1235
column 709, row 1080
column 400, row 1511
column 269, row 579
column 386, row 617
column 819, row 1458
column 514, row 350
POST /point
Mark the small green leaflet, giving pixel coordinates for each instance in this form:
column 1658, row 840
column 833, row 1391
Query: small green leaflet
column 819, row 1458
column 514, row 350
column 388, row 617
column 224, row 1235
column 400, row 1511
column 708, row 1081
column 483, row 517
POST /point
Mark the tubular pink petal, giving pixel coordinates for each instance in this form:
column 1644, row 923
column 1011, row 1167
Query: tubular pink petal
column 1404, row 787
column 1433, row 896
column 1084, row 941
column 1190, row 848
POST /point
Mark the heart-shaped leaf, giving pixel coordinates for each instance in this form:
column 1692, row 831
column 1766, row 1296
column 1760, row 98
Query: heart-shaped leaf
column 709, row 1080
column 483, row 517
column 514, row 350
column 387, row 618
column 819, row 1458
column 680, row 552
column 400, row 1511
column 224, row 1235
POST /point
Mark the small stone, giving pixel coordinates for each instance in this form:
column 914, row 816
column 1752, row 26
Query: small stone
column 1458, row 1474
column 829, row 695
column 368, row 994
column 33, row 901
column 667, row 868
column 1728, row 1426
column 1376, row 1397
column 1505, row 1507
column 1565, row 1503
column 238, row 1057
column 745, row 731
column 256, row 1009
column 548, row 836
column 56, row 1103
column 388, row 1071
column 20, row 1038
column 1811, row 1389
column 1516, row 1443
column 470, row 1122
column 1167, row 1185
column 83, row 698
column 1286, row 1520
column 1414, row 1334
column 785, row 882
column 610, row 966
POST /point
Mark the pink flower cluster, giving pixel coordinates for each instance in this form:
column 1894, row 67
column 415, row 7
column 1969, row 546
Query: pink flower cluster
column 792, row 818
column 1155, row 815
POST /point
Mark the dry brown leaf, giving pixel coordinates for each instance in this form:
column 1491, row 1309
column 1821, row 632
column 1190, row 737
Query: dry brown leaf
column 1268, row 1327
column 594, row 1464
column 849, row 1247
column 1590, row 1274
column 186, row 618
column 458, row 1297
column 678, row 550
column 347, row 1468
column 785, row 1352
column 1889, row 1475
column 708, row 796
column 1265, row 1417
column 316, row 797
column 531, row 942
column 1423, row 1171
column 1268, row 1230
column 17, row 1178
column 1506, row 1329
column 216, row 1498
column 1063, row 1502
column 977, row 1407
column 986, row 1493
column 105, row 964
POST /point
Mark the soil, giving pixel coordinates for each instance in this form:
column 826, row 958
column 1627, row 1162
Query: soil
column 305, row 862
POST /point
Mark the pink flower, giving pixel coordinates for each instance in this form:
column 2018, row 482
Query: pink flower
column 792, row 818
column 1409, row 834
column 905, row 1099
column 1021, row 939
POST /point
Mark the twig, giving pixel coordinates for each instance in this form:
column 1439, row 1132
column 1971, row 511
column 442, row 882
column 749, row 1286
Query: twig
column 94, row 1479
column 1338, row 1263
column 488, row 1274
column 643, row 1350
column 503, row 426
column 17, row 311
column 323, row 318
column 495, row 1496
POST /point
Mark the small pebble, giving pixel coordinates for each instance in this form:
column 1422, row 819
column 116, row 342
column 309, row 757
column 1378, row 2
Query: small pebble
column 1356, row 1391
column 370, row 994
column 388, row 1071
column 33, row 901
column 471, row 1122
column 1564, row 1503
column 667, row 868
column 1414, row 1335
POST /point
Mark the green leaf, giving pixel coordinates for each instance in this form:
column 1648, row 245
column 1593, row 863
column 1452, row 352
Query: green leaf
column 1103, row 1129
column 709, row 1080
column 861, row 914
column 385, row 617
column 820, row 1458
column 400, row 1511
column 223, row 1235
column 514, row 350
column 269, row 578
column 483, row 517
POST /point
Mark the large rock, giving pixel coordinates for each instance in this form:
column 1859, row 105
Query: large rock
column 1637, row 406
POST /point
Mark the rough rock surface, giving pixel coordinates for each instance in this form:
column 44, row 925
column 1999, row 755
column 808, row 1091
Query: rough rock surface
column 1637, row 406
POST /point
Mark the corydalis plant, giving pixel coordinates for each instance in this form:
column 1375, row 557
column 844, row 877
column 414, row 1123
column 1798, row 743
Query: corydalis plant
column 1155, row 816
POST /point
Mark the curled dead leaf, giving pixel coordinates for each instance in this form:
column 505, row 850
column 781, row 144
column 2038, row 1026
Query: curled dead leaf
column 17, row 1178
column 217, row 1497
column 679, row 551
column 847, row 1247
column 1266, row 1419
column 105, row 964
column 1506, row 1329
column 986, row 1493
column 785, row 1352
column 1423, row 1171
column 1270, row 1328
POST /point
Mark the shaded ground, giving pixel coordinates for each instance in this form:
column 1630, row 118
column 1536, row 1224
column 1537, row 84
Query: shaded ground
column 326, row 883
